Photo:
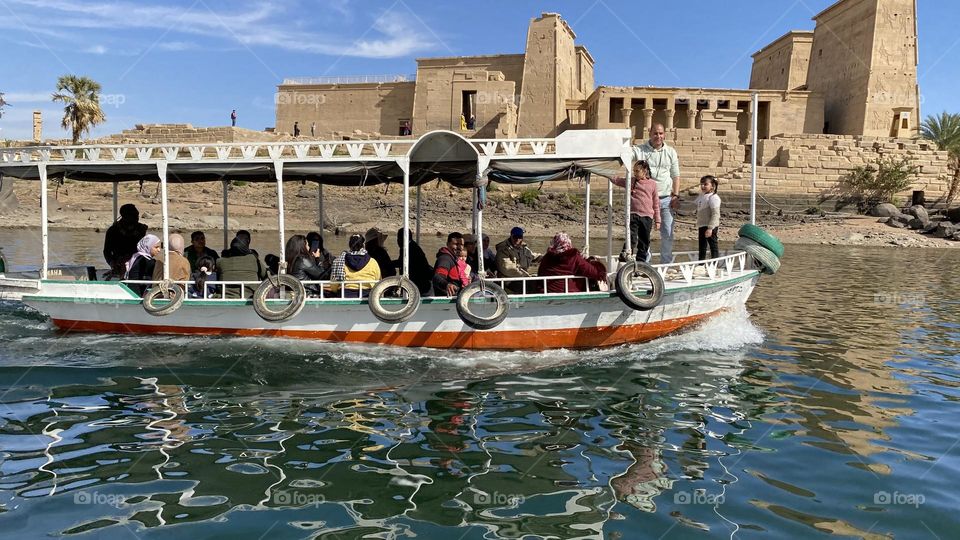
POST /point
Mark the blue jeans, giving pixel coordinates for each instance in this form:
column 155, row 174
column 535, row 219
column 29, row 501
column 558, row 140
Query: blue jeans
column 666, row 231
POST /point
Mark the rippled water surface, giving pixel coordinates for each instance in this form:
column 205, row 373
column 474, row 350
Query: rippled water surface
column 829, row 409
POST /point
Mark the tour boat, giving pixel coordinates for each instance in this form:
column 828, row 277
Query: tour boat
column 644, row 302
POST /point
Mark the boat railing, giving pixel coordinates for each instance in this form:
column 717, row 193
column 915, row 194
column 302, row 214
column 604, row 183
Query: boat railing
column 685, row 266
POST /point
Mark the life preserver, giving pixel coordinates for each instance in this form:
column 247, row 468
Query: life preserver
column 625, row 289
column 165, row 290
column 489, row 291
column 762, row 238
column 765, row 259
column 264, row 305
column 406, row 311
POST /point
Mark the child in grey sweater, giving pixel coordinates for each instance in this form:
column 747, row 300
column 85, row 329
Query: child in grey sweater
column 708, row 217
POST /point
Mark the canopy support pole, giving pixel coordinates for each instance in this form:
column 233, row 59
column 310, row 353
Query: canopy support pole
column 278, row 171
column 753, row 159
column 418, row 215
column 483, row 163
column 473, row 225
column 320, row 198
column 44, row 229
column 405, row 165
column 609, row 224
column 628, row 245
column 162, row 173
column 226, row 214
column 116, row 200
column 586, row 219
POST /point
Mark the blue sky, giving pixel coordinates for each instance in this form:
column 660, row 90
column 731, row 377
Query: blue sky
column 195, row 60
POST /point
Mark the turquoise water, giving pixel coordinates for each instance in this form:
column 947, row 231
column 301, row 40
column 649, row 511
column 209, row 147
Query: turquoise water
column 828, row 408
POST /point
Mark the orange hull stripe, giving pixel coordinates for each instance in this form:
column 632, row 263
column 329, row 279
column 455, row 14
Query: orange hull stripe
column 572, row 338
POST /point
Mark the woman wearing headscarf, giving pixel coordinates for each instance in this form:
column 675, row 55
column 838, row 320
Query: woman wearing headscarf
column 241, row 265
column 562, row 259
column 142, row 263
column 179, row 265
column 352, row 266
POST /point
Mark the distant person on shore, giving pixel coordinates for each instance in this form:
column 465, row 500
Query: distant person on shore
column 463, row 123
column 198, row 249
column 120, row 242
column 644, row 211
column 313, row 129
column 514, row 259
column 562, row 259
column 233, row 118
column 179, row 265
column 447, row 278
column 296, row 129
column 472, row 122
column 141, row 264
column 708, row 217
column 665, row 171
column 421, row 271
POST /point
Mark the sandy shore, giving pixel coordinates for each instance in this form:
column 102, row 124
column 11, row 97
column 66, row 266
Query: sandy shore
column 253, row 206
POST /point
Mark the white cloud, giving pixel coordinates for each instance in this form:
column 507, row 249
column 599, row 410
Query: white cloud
column 96, row 49
column 391, row 35
column 27, row 97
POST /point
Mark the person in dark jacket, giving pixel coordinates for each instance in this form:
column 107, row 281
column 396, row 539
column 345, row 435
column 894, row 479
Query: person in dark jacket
column 198, row 249
column 120, row 242
column 562, row 259
column 421, row 271
column 324, row 260
column 141, row 264
column 374, row 244
column 446, row 275
column 240, row 263
column 301, row 263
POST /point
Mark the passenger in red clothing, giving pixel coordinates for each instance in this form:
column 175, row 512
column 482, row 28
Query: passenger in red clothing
column 562, row 259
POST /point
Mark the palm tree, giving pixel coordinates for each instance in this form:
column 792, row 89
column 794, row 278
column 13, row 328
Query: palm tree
column 3, row 103
column 82, row 98
column 944, row 131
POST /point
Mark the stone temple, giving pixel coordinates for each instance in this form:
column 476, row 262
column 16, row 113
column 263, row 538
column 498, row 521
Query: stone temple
column 855, row 74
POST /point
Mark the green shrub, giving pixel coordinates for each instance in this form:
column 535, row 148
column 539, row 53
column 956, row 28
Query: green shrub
column 529, row 197
column 870, row 185
column 239, row 183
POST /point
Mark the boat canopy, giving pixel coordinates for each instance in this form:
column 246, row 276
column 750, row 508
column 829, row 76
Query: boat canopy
column 442, row 155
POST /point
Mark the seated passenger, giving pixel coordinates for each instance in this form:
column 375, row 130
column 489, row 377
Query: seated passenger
column 353, row 266
column 421, row 272
column 179, row 266
column 206, row 267
column 514, row 259
column 232, row 251
column 120, row 242
column 239, row 263
column 447, row 280
column 141, row 264
column 562, row 259
column 464, row 268
column 324, row 261
column 273, row 264
column 198, row 249
column 301, row 265
column 374, row 244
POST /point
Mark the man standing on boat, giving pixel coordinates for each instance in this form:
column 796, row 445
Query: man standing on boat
column 665, row 170
column 120, row 242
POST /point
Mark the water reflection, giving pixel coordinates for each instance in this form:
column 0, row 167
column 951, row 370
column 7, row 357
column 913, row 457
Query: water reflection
column 800, row 429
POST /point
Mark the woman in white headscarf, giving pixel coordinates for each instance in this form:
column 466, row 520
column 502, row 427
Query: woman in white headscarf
column 179, row 265
column 142, row 263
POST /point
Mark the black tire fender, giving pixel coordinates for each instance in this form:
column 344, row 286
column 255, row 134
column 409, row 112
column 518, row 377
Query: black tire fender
column 624, row 282
column 406, row 312
column 261, row 304
column 165, row 290
column 489, row 290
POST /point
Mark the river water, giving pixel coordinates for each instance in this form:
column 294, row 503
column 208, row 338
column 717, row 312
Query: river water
column 828, row 408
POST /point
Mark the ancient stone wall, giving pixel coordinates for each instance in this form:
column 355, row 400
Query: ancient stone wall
column 538, row 95
column 186, row 133
column 369, row 107
column 783, row 64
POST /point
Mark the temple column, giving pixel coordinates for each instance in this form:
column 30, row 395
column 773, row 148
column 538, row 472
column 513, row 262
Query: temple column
column 669, row 113
column 626, row 112
column 692, row 116
column 647, row 120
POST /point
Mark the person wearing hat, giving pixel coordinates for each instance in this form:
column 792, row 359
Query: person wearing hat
column 514, row 258
column 374, row 239
column 120, row 242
